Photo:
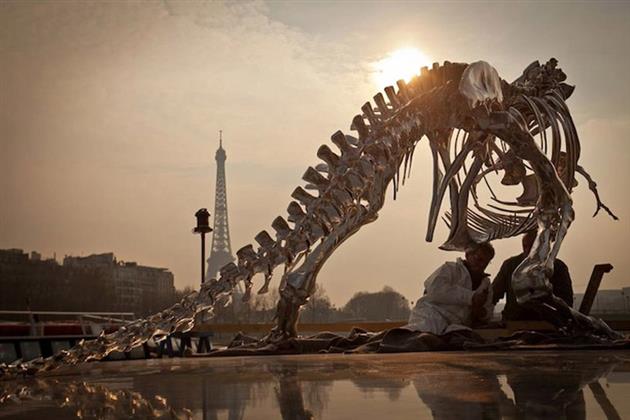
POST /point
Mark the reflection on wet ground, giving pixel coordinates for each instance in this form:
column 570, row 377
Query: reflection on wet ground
column 515, row 385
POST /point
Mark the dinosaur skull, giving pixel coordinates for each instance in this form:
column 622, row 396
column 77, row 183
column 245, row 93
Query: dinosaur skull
column 480, row 84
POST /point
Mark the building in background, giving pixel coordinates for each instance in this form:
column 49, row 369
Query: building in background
column 94, row 283
column 221, row 249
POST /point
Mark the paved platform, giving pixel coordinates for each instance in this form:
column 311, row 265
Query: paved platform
column 483, row 385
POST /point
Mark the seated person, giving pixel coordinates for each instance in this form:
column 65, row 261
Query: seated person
column 457, row 295
column 502, row 284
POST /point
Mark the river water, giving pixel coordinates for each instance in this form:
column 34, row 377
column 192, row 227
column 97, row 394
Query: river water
column 440, row 385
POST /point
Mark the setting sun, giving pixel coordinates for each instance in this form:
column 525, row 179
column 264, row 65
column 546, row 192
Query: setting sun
column 400, row 64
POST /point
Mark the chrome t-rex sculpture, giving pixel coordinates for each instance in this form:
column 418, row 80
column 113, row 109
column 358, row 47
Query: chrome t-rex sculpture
column 478, row 126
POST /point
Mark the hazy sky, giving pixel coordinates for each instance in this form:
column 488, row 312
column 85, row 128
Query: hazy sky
column 110, row 112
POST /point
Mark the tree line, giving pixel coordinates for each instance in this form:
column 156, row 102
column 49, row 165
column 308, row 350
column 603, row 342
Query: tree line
column 385, row 305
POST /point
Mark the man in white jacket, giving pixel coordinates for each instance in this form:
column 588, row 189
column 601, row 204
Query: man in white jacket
column 456, row 295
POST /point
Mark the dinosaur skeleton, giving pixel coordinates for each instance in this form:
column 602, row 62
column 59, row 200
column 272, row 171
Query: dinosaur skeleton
column 477, row 126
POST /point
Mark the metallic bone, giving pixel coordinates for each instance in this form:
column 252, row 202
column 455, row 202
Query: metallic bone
column 359, row 125
column 480, row 83
column 264, row 240
column 296, row 213
column 371, row 116
column 316, row 178
column 346, row 148
column 328, row 156
column 281, row 227
column 303, row 197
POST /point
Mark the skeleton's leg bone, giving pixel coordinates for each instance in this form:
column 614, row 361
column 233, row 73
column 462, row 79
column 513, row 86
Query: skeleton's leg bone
column 554, row 211
column 555, row 214
column 298, row 285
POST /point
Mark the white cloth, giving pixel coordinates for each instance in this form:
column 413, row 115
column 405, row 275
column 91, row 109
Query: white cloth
column 447, row 301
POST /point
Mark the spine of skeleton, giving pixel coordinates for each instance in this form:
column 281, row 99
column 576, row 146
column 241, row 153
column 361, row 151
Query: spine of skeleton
column 350, row 188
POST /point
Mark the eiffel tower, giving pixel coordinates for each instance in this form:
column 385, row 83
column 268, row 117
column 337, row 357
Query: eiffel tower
column 221, row 251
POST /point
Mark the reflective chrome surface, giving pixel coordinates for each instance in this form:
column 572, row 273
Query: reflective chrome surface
column 541, row 384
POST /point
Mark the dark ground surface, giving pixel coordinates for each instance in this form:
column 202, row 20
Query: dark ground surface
column 441, row 385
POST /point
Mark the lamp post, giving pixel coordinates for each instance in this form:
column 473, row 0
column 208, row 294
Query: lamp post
column 203, row 227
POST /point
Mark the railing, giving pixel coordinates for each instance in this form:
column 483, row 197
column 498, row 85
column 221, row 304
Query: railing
column 30, row 334
column 37, row 321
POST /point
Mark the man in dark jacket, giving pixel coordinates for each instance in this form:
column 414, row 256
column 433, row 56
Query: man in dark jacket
column 502, row 284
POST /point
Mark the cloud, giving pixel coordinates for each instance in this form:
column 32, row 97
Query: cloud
column 120, row 103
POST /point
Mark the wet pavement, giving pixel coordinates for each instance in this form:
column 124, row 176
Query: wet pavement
column 447, row 385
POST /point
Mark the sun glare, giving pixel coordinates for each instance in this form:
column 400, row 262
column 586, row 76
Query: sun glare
column 400, row 64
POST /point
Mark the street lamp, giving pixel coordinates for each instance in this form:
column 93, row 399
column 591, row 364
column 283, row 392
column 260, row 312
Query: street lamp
column 203, row 227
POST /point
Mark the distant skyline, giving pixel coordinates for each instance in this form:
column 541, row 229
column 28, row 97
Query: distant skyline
column 110, row 111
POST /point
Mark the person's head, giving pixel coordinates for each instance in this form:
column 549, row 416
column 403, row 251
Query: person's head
column 478, row 256
column 528, row 241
